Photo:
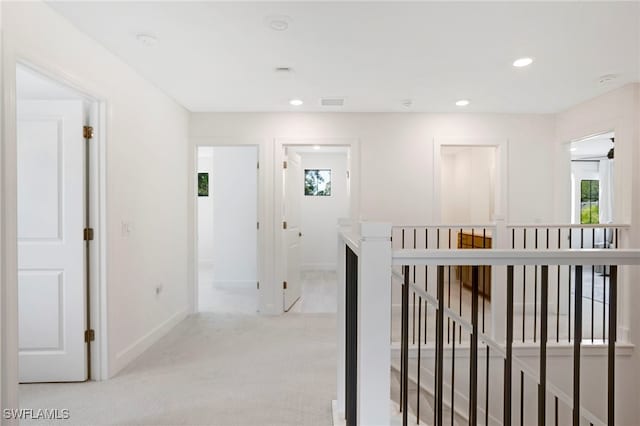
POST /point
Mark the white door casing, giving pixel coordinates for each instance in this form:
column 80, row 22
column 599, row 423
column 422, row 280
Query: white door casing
column 51, row 266
column 293, row 188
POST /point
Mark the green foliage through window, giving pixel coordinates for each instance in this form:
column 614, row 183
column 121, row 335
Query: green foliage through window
column 317, row 182
column 203, row 184
column 589, row 201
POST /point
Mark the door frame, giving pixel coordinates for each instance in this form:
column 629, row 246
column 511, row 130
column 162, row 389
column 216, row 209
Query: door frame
column 263, row 305
column 501, row 207
column 97, row 181
column 354, row 197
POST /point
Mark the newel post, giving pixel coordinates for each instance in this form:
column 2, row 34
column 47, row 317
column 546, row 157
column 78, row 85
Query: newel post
column 341, row 270
column 499, row 283
column 374, row 324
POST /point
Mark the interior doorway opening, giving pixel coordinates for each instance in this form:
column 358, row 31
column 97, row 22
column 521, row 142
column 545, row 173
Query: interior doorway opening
column 227, row 229
column 467, row 184
column 59, row 224
column 317, row 194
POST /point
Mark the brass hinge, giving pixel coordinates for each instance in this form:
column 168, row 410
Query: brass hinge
column 284, row 285
column 89, row 335
column 88, row 234
column 258, row 165
column 284, row 225
column 87, row 132
column 258, row 285
column 284, row 164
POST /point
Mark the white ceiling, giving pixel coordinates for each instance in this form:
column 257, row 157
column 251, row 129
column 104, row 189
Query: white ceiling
column 221, row 56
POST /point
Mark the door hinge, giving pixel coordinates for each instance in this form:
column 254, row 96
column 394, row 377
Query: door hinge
column 88, row 234
column 87, row 132
column 257, row 225
column 284, row 225
column 258, row 285
column 284, row 164
column 258, row 165
column 89, row 335
column 284, row 285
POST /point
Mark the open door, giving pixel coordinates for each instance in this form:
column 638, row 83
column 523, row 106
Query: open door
column 51, row 262
column 291, row 232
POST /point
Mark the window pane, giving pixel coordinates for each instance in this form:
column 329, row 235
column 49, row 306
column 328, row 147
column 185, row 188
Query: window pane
column 317, row 182
column 589, row 201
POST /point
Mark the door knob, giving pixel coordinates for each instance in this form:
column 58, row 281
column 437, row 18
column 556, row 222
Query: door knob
column 299, row 234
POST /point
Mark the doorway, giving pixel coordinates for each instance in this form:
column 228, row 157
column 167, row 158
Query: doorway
column 227, row 229
column 317, row 193
column 58, row 231
column 467, row 184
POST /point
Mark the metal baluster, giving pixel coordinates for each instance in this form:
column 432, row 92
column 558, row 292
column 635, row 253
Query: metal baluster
column 558, row 294
column 426, row 286
column 556, row 410
column 611, row 353
column 453, row 372
column 506, row 415
column 449, row 288
column 521, row 398
column 439, row 346
column 577, row 342
column 544, row 307
column 405, row 346
column 413, row 336
column 569, row 293
column 604, row 290
column 419, row 358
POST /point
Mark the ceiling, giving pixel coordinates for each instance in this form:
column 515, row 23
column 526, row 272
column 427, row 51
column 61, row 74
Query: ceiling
column 213, row 56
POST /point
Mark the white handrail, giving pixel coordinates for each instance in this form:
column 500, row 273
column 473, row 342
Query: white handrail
column 569, row 225
column 448, row 257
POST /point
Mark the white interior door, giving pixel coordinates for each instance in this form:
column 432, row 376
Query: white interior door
column 51, row 282
column 293, row 187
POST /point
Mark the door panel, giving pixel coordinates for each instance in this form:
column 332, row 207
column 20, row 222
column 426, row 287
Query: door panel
column 293, row 188
column 51, row 274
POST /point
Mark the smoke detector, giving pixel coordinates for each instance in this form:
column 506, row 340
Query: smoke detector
column 278, row 22
column 407, row 103
column 147, row 40
column 607, row 78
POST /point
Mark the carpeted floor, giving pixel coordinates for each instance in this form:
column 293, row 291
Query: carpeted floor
column 214, row 369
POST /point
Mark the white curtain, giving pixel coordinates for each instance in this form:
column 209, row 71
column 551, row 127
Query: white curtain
column 606, row 190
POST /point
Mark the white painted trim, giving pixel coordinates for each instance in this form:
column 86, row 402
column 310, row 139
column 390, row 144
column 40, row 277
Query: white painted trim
column 266, row 304
column 9, row 335
column 137, row 348
column 354, row 195
column 501, row 205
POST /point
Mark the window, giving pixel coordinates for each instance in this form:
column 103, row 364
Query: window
column 317, row 182
column 203, row 184
column 589, row 201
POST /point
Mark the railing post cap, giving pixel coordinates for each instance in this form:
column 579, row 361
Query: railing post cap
column 375, row 230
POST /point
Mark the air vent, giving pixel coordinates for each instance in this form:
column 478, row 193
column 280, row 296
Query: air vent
column 332, row 102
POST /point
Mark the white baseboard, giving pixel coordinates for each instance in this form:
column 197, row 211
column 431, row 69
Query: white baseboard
column 318, row 267
column 137, row 348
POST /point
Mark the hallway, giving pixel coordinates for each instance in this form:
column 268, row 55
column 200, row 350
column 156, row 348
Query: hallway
column 214, row 369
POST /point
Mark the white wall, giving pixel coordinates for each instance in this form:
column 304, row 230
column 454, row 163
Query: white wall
column 205, row 209
column 234, row 188
column 146, row 169
column 467, row 184
column 320, row 214
column 617, row 111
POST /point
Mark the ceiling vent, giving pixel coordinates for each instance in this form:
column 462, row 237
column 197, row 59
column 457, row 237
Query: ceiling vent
column 332, row 102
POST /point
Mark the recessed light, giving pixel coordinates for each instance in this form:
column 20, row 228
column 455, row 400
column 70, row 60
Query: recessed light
column 296, row 102
column 573, row 149
column 522, row 62
column 278, row 22
column 462, row 102
column 147, row 39
column 316, row 147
